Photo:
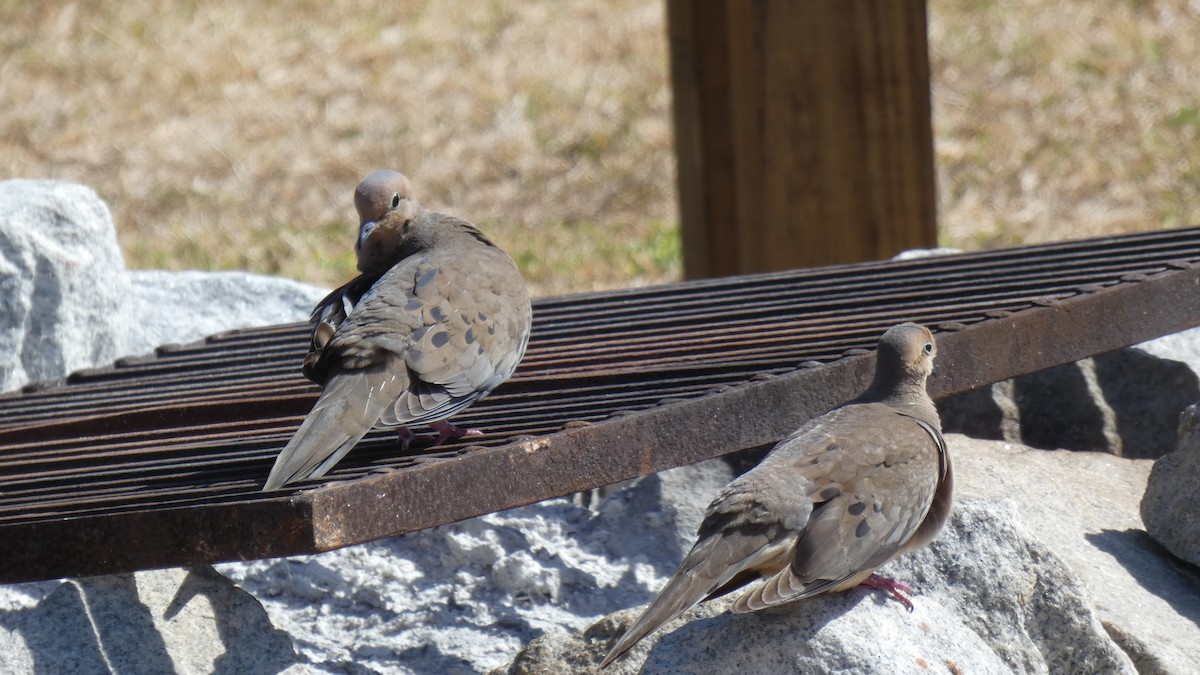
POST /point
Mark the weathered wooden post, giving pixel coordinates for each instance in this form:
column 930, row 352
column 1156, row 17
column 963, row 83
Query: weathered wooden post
column 803, row 131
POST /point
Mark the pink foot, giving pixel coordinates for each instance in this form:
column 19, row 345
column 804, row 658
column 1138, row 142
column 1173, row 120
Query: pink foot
column 896, row 589
column 406, row 437
column 447, row 431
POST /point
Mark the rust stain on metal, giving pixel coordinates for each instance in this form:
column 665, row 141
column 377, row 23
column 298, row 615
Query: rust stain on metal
column 158, row 460
column 534, row 445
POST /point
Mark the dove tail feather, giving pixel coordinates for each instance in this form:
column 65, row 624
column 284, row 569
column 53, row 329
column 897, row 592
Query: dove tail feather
column 680, row 593
column 305, row 455
column 786, row 587
column 350, row 405
column 709, row 570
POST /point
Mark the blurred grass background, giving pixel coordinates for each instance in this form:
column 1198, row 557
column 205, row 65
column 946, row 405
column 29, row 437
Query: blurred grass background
column 229, row 135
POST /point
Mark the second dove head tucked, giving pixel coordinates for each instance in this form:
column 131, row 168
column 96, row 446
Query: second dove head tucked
column 438, row 317
column 839, row 497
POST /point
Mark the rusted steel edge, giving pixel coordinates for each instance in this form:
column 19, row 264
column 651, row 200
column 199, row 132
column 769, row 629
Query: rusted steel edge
column 152, row 539
column 580, row 457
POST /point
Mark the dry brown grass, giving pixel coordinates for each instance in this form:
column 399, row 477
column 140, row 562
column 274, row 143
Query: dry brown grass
column 229, row 135
column 1065, row 118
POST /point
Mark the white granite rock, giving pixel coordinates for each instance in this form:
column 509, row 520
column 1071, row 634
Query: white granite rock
column 463, row 598
column 992, row 599
column 163, row 621
column 1171, row 505
column 1124, row 402
column 1082, row 557
column 1084, row 506
column 63, row 290
column 1183, row 346
column 67, row 302
column 179, row 307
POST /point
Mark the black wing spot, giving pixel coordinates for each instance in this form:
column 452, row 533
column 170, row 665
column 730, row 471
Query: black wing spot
column 427, row 277
column 856, row 508
column 440, row 339
column 863, row 529
column 830, row 492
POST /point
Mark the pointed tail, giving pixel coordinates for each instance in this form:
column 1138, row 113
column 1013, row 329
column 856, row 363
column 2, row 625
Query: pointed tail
column 351, row 404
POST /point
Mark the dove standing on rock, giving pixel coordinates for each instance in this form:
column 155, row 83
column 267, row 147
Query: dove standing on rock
column 438, row 318
column 841, row 496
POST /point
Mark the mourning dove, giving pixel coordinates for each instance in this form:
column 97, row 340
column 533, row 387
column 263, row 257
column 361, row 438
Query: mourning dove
column 839, row 497
column 438, row 318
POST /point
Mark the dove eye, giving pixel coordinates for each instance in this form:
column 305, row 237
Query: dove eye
column 928, row 348
column 395, row 200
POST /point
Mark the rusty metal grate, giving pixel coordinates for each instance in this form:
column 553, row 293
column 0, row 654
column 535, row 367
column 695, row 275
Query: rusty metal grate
column 157, row 461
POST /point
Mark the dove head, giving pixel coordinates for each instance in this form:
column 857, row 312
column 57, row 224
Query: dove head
column 903, row 362
column 386, row 211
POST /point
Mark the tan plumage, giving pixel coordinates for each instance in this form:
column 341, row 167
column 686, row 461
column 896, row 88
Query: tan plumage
column 841, row 496
column 438, row 318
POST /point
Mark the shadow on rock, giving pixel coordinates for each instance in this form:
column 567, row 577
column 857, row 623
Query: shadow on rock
column 433, row 660
column 1159, row 572
column 1124, row 403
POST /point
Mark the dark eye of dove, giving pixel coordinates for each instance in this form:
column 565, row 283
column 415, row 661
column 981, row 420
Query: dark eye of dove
column 928, row 347
column 395, row 199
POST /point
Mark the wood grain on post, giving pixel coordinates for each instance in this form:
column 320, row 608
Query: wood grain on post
column 803, row 132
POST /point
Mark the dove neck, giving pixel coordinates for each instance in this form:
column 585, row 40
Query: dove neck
column 434, row 229
column 907, row 394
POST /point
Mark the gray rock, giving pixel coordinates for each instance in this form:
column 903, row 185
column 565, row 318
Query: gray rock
column 1084, row 506
column 992, row 599
column 1182, row 346
column 186, row 306
column 464, row 597
column 63, row 291
column 181, row 621
column 1011, row 589
column 918, row 253
column 1171, row 505
column 67, row 302
column 673, row 501
column 1124, row 403
column 1029, row 576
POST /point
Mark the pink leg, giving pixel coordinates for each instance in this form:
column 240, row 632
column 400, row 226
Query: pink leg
column 447, row 431
column 406, row 437
column 896, row 589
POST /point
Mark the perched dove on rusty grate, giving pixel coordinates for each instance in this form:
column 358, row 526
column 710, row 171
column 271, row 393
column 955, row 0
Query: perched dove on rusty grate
column 841, row 496
column 438, row 318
